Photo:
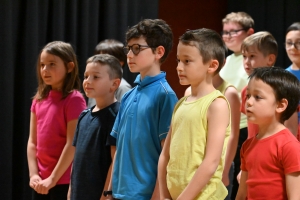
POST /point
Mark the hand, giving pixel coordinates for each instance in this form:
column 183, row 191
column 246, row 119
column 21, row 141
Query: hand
column 225, row 179
column 238, row 177
column 44, row 186
column 34, row 180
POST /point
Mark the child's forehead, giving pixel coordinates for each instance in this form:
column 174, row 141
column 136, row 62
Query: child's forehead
column 97, row 66
column 251, row 49
column 232, row 25
column 186, row 49
column 256, row 84
column 140, row 40
column 45, row 55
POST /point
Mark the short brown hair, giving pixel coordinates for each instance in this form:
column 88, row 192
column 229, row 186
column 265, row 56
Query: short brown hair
column 156, row 33
column 241, row 18
column 111, row 47
column 115, row 70
column 263, row 41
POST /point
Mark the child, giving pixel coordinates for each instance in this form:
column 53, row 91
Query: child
column 259, row 50
column 233, row 98
column 292, row 45
column 54, row 112
column 94, row 145
column 236, row 27
column 271, row 159
column 145, row 113
column 115, row 48
column 192, row 160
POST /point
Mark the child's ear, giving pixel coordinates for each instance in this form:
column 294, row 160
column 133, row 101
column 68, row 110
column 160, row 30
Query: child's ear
column 115, row 84
column 271, row 60
column 159, row 52
column 282, row 105
column 70, row 66
column 214, row 64
column 250, row 31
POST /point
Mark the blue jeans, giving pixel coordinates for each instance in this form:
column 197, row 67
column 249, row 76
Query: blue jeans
column 229, row 187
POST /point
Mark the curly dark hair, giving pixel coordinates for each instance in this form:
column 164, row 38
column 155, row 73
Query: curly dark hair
column 156, row 33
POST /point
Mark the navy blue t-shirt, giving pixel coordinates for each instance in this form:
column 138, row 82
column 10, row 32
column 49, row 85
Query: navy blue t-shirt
column 92, row 155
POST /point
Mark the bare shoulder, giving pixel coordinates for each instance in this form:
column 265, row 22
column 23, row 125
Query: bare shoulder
column 219, row 104
column 231, row 92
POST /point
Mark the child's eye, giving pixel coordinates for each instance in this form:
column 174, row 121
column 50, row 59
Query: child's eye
column 257, row 97
column 187, row 61
column 85, row 77
column 247, row 96
column 177, row 60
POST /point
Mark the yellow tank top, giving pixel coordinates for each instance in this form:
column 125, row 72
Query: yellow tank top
column 187, row 148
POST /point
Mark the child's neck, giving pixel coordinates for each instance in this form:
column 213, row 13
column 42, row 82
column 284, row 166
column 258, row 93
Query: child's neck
column 217, row 81
column 296, row 66
column 269, row 130
column 153, row 70
column 102, row 103
column 200, row 90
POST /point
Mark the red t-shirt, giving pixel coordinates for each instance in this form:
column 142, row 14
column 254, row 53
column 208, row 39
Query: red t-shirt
column 52, row 116
column 252, row 128
column 267, row 161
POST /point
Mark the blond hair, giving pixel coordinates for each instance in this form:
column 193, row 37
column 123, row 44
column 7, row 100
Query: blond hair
column 241, row 18
column 263, row 41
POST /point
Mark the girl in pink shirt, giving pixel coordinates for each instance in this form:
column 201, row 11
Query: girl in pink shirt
column 54, row 112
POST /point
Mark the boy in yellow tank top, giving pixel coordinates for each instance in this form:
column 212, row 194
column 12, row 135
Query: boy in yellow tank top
column 192, row 160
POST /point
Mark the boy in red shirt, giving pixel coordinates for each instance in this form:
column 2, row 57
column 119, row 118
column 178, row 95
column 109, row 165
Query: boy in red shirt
column 271, row 160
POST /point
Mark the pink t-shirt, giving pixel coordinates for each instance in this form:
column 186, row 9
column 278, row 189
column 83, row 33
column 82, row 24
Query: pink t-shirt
column 52, row 115
column 267, row 161
column 252, row 128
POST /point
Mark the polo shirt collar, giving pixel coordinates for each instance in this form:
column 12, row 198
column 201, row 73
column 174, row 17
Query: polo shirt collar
column 149, row 79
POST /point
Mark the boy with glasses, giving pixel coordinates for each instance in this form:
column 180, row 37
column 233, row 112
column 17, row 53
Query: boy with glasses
column 292, row 46
column 236, row 27
column 145, row 114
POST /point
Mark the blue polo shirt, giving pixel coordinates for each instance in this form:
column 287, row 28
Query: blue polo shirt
column 142, row 122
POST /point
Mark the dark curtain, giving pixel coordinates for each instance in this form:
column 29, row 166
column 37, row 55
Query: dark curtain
column 273, row 16
column 25, row 27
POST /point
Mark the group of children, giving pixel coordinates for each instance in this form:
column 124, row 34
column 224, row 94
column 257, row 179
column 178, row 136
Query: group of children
column 145, row 144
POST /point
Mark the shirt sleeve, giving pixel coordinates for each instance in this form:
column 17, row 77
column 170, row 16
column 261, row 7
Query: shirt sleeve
column 75, row 105
column 243, row 98
column 291, row 157
column 33, row 104
column 166, row 110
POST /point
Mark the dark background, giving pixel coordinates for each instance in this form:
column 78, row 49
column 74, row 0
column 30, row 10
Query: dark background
column 28, row 25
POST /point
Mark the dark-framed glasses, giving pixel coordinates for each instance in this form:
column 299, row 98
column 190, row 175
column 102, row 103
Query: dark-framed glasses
column 289, row 45
column 135, row 48
column 231, row 33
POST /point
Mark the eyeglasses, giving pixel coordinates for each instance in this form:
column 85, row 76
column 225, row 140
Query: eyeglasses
column 135, row 48
column 231, row 33
column 289, row 45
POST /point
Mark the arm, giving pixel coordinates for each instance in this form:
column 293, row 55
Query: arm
column 156, row 193
column 233, row 99
column 162, row 166
column 292, row 123
column 218, row 120
column 242, row 191
column 109, row 187
column 63, row 163
column 109, row 173
column 292, row 185
column 31, row 153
